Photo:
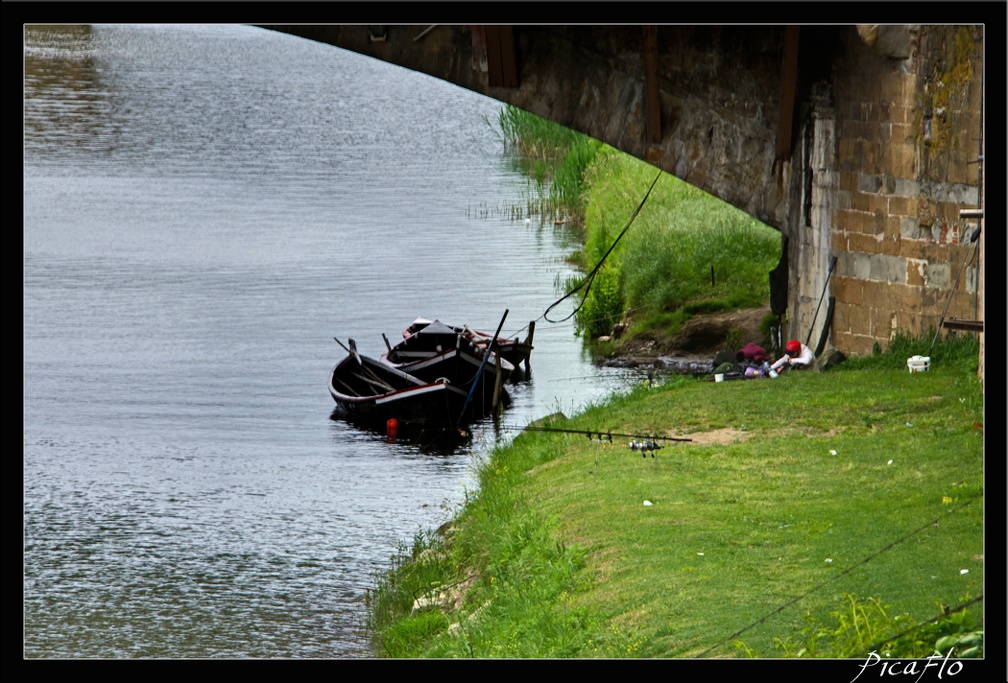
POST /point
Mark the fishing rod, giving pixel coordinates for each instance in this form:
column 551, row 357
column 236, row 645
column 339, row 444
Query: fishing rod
column 973, row 240
column 592, row 434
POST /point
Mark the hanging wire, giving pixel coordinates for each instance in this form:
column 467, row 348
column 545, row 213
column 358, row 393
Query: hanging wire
column 590, row 278
column 850, row 569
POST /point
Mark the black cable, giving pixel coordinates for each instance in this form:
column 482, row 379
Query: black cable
column 590, row 278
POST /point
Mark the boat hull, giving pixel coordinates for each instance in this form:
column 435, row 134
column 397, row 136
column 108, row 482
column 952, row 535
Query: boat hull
column 372, row 392
column 439, row 353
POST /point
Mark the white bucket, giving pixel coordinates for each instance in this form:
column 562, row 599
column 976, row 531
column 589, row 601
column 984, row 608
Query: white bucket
column 918, row 363
column 719, row 377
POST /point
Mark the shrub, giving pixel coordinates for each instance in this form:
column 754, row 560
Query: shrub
column 603, row 304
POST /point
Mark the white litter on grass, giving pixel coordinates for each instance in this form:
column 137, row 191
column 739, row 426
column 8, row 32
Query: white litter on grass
column 832, row 452
column 890, row 462
column 964, row 571
column 647, row 503
column 700, row 554
column 829, row 560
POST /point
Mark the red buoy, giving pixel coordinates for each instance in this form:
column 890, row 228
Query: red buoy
column 391, row 427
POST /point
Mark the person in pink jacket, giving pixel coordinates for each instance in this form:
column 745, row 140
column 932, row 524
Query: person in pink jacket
column 797, row 356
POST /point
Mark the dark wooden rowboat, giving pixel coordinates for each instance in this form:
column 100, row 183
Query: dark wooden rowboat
column 514, row 350
column 439, row 352
column 370, row 391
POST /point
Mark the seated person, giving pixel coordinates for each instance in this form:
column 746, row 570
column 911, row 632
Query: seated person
column 797, row 356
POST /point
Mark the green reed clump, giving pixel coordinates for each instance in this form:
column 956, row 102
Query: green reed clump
column 553, row 157
column 533, row 136
column 603, row 306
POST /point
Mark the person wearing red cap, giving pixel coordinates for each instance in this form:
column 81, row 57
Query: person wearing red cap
column 796, row 356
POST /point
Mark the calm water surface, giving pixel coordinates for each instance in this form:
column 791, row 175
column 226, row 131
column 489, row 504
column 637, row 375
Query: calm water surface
column 205, row 208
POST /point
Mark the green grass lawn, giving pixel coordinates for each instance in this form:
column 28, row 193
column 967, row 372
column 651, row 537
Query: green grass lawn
column 769, row 524
column 799, row 501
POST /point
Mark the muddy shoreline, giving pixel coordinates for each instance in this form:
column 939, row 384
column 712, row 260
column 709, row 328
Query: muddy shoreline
column 692, row 350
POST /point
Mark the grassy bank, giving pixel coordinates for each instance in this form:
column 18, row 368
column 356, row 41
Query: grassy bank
column 817, row 514
column 684, row 253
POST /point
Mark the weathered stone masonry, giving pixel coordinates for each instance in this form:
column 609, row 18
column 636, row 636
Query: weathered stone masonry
column 907, row 132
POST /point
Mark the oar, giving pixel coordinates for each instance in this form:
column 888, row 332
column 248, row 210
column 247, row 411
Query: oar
column 352, row 350
column 479, row 375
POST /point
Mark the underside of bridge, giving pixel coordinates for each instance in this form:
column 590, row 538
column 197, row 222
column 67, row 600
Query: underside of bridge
column 861, row 144
column 715, row 106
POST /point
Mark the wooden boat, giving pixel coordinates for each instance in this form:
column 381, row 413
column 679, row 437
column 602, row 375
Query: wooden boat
column 514, row 350
column 439, row 352
column 371, row 391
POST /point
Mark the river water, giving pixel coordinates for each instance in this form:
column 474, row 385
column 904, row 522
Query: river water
column 205, row 208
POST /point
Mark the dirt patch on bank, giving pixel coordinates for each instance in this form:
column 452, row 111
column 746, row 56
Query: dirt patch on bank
column 697, row 342
column 718, row 437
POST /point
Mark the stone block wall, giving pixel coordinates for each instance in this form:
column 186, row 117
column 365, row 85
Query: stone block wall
column 907, row 143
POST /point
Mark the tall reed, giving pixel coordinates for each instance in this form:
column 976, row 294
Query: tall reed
column 554, row 158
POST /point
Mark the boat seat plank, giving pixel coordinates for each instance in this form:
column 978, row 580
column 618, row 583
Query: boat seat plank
column 375, row 383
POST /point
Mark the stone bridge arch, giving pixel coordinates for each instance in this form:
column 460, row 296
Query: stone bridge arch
column 862, row 144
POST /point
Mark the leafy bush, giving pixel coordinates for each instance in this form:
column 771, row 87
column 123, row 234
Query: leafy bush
column 603, row 304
